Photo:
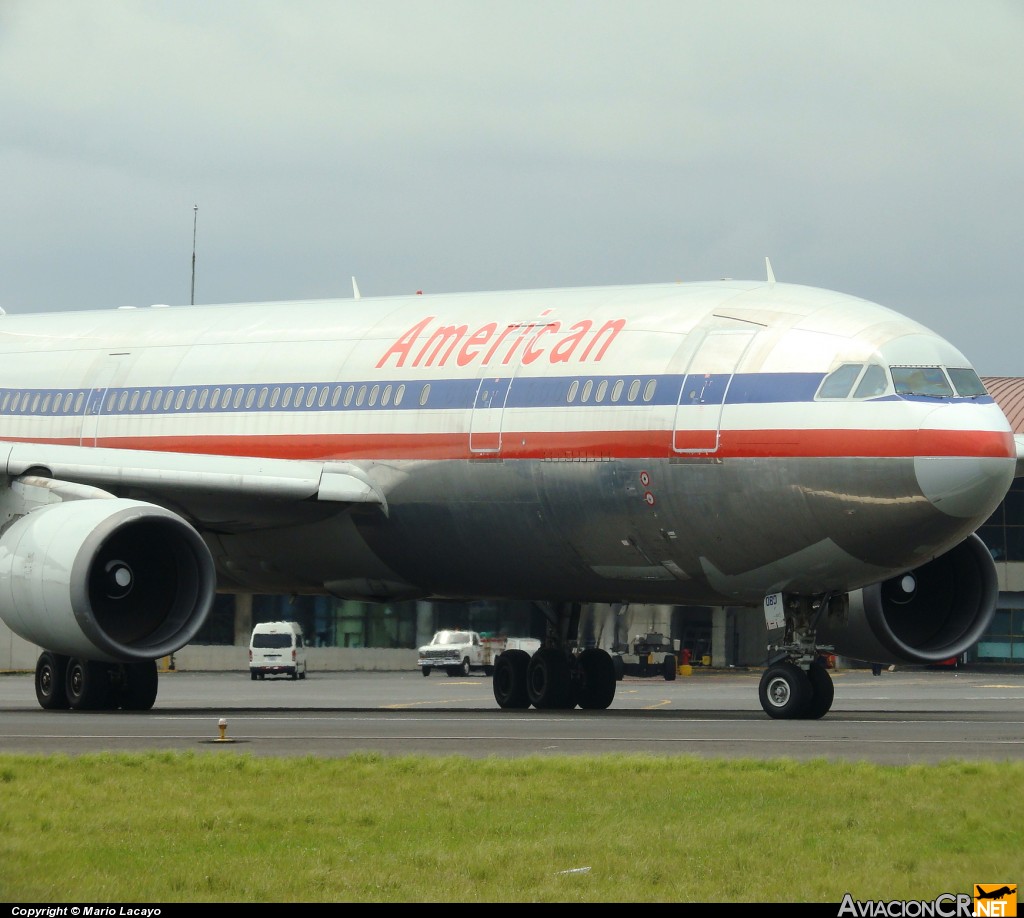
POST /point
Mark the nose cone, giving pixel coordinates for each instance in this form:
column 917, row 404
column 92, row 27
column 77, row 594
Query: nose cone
column 966, row 460
column 967, row 487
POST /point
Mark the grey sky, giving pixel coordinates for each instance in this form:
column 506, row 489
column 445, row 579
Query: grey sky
column 872, row 147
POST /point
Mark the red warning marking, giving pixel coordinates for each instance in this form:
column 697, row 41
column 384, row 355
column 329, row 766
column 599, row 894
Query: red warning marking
column 645, row 479
column 649, row 497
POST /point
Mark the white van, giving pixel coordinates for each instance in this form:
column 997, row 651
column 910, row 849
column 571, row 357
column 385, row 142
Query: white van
column 277, row 649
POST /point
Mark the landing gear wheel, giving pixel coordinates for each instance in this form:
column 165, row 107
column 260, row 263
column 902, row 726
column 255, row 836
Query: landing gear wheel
column 668, row 667
column 822, row 691
column 548, row 680
column 596, row 688
column 139, row 686
column 785, row 691
column 51, row 671
column 510, row 679
column 87, row 685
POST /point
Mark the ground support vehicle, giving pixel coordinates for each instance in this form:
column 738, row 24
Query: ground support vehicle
column 651, row 654
column 461, row 652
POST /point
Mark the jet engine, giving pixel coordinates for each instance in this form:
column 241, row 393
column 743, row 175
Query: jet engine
column 927, row 615
column 105, row 579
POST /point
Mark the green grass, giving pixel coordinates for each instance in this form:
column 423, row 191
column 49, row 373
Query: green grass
column 182, row 827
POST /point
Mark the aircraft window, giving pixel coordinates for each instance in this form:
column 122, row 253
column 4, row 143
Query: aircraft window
column 617, row 390
column 298, row 396
column 225, row 402
column 324, row 393
column 192, row 395
column 385, row 396
column 6, row 402
column 239, row 392
column 602, row 388
column 78, row 402
column 46, row 403
column 264, row 393
column 145, row 401
column 215, row 399
column 286, row 399
column 274, row 396
column 585, row 394
column 573, row 389
column 122, row 402
column 15, row 402
column 349, row 392
column 360, row 396
column 424, row 394
column 652, row 384
column 839, row 382
column 399, row 392
column 634, row 390
column 335, row 396
column 67, row 402
column 56, row 404
column 873, row 382
column 110, row 403
column 135, row 401
column 180, row 400
column 158, row 398
column 921, row 381
column 966, row 382
column 373, row 396
column 311, row 396
column 250, row 397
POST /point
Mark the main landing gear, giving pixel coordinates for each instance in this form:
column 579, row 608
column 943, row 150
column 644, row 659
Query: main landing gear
column 555, row 678
column 796, row 684
column 77, row 684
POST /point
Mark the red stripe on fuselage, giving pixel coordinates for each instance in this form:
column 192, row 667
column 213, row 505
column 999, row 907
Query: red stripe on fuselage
column 596, row 444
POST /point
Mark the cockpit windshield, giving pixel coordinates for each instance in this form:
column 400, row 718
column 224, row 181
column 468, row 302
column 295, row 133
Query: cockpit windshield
column 873, row 381
column 928, row 381
column 966, row 382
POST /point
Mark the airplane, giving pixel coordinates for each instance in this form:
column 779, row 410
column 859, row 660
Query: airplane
column 808, row 454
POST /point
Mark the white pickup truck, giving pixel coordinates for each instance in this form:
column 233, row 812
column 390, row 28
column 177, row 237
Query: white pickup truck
column 459, row 653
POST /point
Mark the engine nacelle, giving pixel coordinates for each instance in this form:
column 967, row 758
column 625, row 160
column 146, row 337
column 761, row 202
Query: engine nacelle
column 107, row 579
column 927, row 615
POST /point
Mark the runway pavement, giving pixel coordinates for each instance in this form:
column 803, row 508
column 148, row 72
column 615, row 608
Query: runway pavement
column 902, row 717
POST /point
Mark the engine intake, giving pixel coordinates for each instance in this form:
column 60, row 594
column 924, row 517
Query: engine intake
column 927, row 615
column 106, row 579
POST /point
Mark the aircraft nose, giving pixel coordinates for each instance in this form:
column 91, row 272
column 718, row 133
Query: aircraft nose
column 963, row 467
column 964, row 486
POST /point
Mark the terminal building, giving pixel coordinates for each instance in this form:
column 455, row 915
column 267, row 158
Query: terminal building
column 716, row 636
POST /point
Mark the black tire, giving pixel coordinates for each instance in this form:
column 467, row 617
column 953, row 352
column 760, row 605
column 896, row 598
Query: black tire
column 294, row 674
column 425, row 670
column 464, row 667
column 509, row 682
column 785, row 691
column 488, row 670
column 87, row 685
column 139, row 686
column 549, row 680
column 822, row 690
column 668, row 667
column 252, row 674
column 302, row 675
column 51, row 671
column 596, row 688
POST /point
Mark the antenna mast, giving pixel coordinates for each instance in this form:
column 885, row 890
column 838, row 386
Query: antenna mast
column 195, row 217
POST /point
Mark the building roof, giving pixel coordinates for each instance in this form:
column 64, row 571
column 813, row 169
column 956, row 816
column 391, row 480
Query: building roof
column 1008, row 391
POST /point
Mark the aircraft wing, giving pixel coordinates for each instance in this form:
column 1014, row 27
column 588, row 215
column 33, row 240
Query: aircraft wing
column 196, row 481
